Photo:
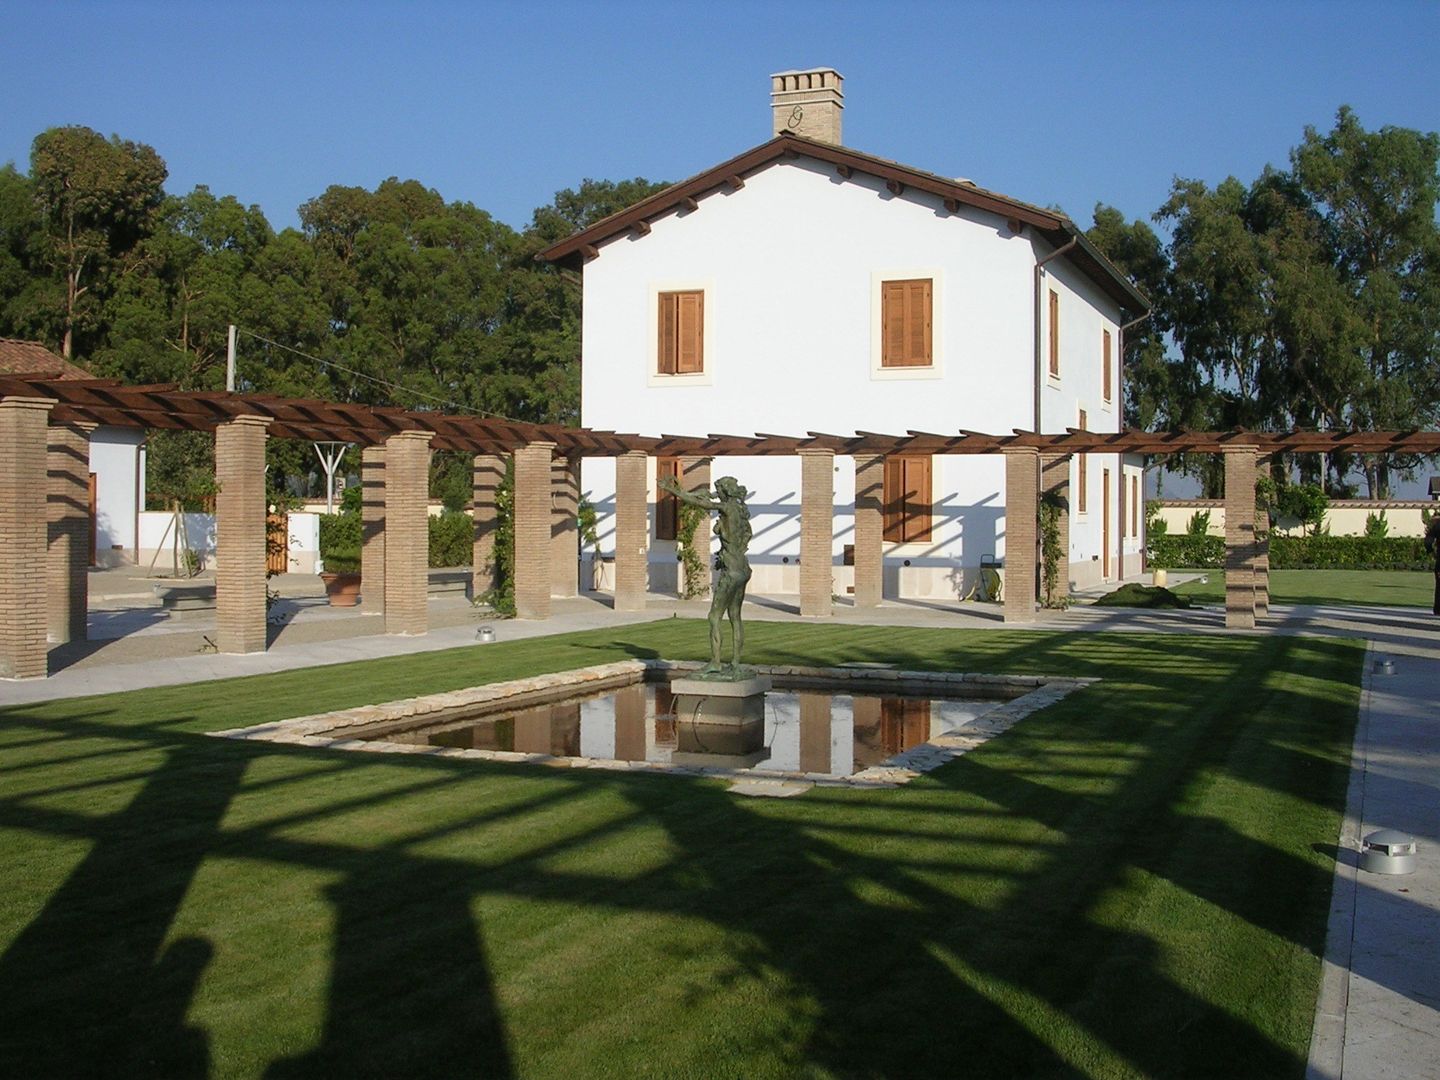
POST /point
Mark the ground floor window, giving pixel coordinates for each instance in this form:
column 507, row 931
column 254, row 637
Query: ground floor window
column 908, row 499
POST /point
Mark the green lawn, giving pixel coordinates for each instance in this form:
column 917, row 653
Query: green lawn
column 1133, row 882
column 1390, row 588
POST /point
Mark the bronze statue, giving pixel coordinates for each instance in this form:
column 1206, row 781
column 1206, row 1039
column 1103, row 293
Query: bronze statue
column 732, row 526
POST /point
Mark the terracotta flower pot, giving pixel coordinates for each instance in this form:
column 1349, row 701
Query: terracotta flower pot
column 343, row 590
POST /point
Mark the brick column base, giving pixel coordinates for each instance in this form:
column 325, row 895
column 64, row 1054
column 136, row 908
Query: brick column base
column 632, row 531
column 817, row 531
column 869, row 530
column 240, row 535
column 24, row 535
column 1240, row 469
column 407, row 532
column 532, row 530
column 372, row 528
column 68, row 502
column 1022, row 481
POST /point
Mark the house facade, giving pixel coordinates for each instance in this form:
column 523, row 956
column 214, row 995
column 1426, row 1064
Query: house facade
column 804, row 287
column 117, row 460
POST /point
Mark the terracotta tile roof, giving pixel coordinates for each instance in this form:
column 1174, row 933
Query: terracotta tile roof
column 31, row 358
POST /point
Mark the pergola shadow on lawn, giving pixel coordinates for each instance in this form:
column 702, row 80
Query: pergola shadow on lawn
column 1123, row 883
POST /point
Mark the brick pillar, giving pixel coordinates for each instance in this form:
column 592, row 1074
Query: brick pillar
column 695, row 476
column 632, row 531
column 564, row 527
column 1055, row 481
column 489, row 470
column 817, row 531
column 372, row 528
column 1022, row 481
column 24, row 536
column 240, row 535
column 1240, row 468
column 407, row 532
column 68, row 502
column 532, row 530
column 869, row 530
column 1262, row 557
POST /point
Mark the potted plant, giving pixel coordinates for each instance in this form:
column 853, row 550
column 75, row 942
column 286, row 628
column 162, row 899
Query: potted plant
column 342, row 580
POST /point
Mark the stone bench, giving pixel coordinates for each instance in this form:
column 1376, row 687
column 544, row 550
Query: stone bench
column 186, row 597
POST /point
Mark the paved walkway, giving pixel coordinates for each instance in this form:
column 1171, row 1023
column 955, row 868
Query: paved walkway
column 1378, row 1015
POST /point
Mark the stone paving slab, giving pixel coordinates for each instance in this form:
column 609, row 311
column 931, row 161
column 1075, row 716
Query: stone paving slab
column 1378, row 1013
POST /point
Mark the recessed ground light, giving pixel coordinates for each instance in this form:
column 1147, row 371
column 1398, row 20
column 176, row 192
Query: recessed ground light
column 485, row 634
column 1384, row 666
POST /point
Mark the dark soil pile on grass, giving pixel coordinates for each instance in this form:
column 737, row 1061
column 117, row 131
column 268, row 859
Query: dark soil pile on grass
column 1146, row 596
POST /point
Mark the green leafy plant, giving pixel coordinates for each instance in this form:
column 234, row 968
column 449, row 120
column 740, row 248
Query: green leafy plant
column 1307, row 503
column 694, row 557
column 1199, row 523
column 1376, row 527
column 501, row 597
column 1155, row 525
column 1051, row 507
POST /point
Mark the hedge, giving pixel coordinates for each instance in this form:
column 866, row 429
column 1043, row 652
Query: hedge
column 451, row 540
column 1297, row 552
column 1169, row 551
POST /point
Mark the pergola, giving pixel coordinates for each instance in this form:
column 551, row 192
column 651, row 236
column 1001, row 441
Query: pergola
column 45, row 426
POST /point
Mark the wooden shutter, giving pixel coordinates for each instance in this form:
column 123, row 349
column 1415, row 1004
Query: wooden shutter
column 1105, row 369
column 906, row 323
column 1081, row 488
column 894, row 530
column 667, row 506
column 682, row 333
column 1134, row 506
column 908, row 500
column 1054, row 333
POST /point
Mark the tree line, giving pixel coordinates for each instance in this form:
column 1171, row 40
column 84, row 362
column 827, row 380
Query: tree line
column 1309, row 297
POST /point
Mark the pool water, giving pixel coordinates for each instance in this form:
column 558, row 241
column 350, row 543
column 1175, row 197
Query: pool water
column 808, row 731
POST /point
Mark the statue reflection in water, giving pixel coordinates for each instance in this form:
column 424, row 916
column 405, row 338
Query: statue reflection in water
column 732, row 526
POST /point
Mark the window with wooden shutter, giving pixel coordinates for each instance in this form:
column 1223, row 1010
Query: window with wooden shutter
column 907, row 499
column 1134, row 506
column 1054, row 333
column 906, row 323
column 1082, row 459
column 667, row 506
column 682, row 333
column 1105, row 365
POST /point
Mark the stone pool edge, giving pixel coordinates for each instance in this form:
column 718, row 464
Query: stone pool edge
column 318, row 729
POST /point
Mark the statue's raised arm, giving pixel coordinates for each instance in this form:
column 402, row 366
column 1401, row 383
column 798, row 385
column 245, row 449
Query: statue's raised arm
column 702, row 498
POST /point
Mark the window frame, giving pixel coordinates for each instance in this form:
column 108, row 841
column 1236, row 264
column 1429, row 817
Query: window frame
column 659, row 289
column 878, row 280
column 1052, row 326
column 1107, row 366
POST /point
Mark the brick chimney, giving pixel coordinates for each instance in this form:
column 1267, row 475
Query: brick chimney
column 808, row 103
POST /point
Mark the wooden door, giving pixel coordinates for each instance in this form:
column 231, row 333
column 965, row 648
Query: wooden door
column 1105, row 528
column 277, row 543
column 94, row 519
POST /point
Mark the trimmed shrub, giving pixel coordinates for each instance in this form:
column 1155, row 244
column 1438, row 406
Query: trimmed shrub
column 1168, row 552
column 1297, row 553
column 452, row 539
column 340, row 542
column 1348, row 553
column 1143, row 596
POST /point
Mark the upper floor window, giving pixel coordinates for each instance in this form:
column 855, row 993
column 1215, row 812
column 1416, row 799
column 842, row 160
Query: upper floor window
column 907, row 323
column 907, row 499
column 682, row 333
column 1105, row 366
column 1054, row 334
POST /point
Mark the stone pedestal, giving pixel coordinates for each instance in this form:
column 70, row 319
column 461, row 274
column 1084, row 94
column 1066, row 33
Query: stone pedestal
column 720, row 722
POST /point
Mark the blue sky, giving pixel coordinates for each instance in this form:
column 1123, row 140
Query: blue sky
column 503, row 104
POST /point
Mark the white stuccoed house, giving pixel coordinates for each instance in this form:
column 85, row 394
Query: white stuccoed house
column 803, row 286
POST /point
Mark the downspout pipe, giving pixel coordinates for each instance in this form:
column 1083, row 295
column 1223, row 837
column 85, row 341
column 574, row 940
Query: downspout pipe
column 1039, row 354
